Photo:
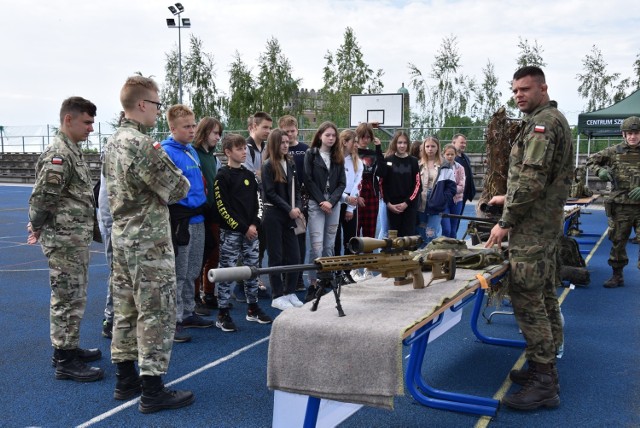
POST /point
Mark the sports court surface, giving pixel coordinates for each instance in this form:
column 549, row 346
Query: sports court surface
column 599, row 372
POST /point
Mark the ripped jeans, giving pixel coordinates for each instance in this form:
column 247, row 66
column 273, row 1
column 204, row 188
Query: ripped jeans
column 322, row 232
column 429, row 227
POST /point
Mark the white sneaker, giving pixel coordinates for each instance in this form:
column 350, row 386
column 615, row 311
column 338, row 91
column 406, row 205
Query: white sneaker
column 355, row 274
column 293, row 299
column 366, row 274
column 281, row 303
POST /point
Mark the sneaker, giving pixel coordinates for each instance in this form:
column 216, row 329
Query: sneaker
column 202, row 310
column 196, row 321
column 107, row 329
column 366, row 274
column 225, row 323
column 256, row 315
column 293, row 299
column 180, row 336
column 281, row 303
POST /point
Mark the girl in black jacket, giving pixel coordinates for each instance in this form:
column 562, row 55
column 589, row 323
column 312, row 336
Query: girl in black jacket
column 278, row 184
column 325, row 180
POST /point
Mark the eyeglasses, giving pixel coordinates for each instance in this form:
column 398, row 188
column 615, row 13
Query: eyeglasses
column 158, row 105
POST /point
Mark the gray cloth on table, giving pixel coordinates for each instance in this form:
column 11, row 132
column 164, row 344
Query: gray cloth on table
column 356, row 358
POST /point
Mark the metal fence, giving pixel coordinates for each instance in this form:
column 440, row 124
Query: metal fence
column 34, row 139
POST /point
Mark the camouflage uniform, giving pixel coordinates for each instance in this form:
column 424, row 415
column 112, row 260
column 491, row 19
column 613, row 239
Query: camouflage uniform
column 62, row 207
column 141, row 181
column 540, row 172
column 623, row 163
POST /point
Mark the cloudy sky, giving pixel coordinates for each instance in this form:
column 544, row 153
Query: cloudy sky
column 55, row 49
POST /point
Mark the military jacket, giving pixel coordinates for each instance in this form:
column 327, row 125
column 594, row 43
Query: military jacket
column 141, row 181
column 623, row 162
column 62, row 205
column 540, row 173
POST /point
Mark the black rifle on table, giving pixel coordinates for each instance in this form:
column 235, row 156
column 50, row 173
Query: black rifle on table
column 479, row 228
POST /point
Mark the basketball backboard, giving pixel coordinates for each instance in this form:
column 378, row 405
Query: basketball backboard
column 386, row 109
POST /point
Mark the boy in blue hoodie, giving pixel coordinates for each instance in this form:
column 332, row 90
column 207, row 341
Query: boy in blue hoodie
column 187, row 219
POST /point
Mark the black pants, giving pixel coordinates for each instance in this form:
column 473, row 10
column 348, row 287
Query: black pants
column 282, row 248
column 405, row 222
column 346, row 231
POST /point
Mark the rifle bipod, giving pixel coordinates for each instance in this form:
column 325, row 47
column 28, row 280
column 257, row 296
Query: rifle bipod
column 335, row 284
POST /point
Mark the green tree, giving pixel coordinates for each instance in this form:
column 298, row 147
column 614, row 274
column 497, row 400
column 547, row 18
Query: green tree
column 449, row 95
column 198, row 85
column 276, row 85
column 346, row 74
column 199, row 74
column 596, row 86
column 487, row 95
column 635, row 84
column 242, row 94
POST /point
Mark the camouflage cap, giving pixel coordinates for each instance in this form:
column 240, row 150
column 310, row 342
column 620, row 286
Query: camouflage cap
column 631, row 124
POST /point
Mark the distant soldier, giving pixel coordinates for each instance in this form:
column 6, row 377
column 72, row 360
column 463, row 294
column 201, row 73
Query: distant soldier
column 62, row 216
column 539, row 181
column 141, row 181
column 620, row 164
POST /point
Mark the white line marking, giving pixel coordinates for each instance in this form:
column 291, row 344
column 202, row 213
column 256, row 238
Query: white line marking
column 212, row 364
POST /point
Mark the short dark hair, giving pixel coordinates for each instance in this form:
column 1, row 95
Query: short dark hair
column 233, row 140
column 260, row 116
column 530, row 70
column 77, row 105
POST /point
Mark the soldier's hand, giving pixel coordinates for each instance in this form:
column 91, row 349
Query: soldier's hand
column 604, row 175
column 634, row 194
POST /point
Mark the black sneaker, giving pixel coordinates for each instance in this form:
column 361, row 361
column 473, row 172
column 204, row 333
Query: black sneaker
column 202, row 310
column 255, row 314
column 180, row 336
column 107, row 329
column 300, row 286
column 225, row 323
column 196, row 321
column 210, row 301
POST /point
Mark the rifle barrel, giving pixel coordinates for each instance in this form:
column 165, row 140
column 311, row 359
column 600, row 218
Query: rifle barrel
column 242, row 273
column 470, row 218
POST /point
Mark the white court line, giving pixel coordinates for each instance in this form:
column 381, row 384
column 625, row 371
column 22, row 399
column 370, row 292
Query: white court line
column 212, row 364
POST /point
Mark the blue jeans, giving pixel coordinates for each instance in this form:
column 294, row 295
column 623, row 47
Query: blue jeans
column 188, row 268
column 429, row 226
column 322, row 232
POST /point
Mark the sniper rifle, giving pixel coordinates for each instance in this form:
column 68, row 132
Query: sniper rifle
column 393, row 261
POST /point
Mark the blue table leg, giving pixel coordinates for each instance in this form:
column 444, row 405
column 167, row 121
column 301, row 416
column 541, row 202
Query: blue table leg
column 311, row 416
column 438, row 399
column 477, row 309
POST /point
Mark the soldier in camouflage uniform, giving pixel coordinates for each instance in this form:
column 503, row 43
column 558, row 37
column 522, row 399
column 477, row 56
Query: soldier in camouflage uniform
column 540, row 173
column 620, row 164
column 141, row 181
column 62, row 216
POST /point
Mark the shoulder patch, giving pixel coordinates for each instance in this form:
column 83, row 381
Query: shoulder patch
column 539, row 128
column 56, row 160
column 157, row 145
column 54, row 178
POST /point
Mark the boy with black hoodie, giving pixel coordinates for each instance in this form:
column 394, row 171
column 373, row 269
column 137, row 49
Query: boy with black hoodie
column 239, row 207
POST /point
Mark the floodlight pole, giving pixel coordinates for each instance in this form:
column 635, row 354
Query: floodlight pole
column 177, row 11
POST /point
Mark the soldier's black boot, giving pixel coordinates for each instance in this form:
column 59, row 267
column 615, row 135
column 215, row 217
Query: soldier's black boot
column 541, row 390
column 156, row 397
column 84, row 355
column 617, row 280
column 522, row 376
column 69, row 366
column 128, row 383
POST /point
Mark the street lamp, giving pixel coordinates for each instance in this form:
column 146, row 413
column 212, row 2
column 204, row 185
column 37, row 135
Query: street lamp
column 177, row 9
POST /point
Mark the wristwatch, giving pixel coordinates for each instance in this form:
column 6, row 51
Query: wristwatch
column 504, row 224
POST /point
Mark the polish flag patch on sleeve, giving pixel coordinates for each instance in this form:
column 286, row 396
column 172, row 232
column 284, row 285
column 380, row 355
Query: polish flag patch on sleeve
column 56, row 160
column 157, row 145
column 538, row 128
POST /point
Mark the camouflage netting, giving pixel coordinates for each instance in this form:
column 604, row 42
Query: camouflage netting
column 501, row 131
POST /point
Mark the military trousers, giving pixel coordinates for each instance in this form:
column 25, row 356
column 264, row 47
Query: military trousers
column 532, row 288
column 143, row 284
column 68, row 279
column 622, row 219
